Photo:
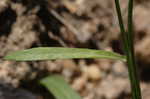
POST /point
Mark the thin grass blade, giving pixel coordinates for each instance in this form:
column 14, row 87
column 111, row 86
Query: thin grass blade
column 51, row 53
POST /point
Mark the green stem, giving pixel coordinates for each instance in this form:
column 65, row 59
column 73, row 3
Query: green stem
column 128, row 39
column 122, row 29
column 132, row 67
column 130, row 23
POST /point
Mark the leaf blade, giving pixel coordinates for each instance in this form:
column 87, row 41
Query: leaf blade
column 59, row 87
column 51, row 53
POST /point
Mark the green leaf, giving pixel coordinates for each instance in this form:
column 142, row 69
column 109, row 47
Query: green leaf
column 59, row 87
column 51, row 53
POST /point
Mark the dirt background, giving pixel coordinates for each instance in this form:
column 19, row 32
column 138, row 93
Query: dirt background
column 71, row 23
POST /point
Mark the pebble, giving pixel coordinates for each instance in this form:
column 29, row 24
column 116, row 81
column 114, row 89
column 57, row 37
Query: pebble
column 93, row 72
column 79, row 83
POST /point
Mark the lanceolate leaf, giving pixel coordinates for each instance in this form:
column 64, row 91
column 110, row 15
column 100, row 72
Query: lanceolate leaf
column 51, row 53
column 59, row 87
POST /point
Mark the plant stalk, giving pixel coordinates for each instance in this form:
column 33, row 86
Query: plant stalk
column 132, row 66
column 128, row 40
column 121, row 25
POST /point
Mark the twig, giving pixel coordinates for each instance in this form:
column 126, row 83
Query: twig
column 66, row 23
column 58, row 39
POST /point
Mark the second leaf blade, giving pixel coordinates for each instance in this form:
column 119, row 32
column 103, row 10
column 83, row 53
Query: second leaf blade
column 59, row 87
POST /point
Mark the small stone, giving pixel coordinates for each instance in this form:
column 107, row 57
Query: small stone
column 79, row 83
column 119, row 69
column 104, row 64
column 69, row 64
column 93, row 72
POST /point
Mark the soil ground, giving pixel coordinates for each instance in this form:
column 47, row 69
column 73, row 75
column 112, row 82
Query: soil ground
column 71, row 23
